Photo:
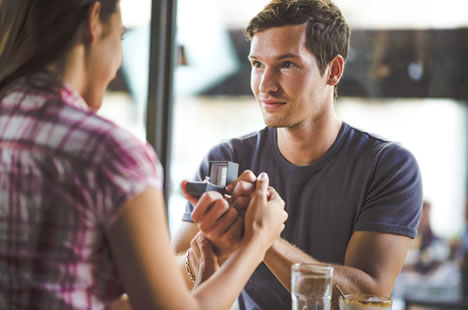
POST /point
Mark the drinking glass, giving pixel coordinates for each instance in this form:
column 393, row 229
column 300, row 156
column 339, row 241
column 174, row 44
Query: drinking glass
column 311, row 286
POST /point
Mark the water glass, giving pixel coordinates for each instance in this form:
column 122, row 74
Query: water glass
column 311, row 286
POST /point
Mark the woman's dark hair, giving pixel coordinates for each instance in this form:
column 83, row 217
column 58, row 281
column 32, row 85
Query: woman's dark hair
column 35, row 33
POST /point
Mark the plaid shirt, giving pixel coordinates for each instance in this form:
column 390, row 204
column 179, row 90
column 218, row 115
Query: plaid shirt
column 65, row 173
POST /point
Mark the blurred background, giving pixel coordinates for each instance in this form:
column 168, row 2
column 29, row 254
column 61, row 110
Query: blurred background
column 406, row 79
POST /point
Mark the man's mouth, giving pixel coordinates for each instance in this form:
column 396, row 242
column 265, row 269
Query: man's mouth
column 272, row 104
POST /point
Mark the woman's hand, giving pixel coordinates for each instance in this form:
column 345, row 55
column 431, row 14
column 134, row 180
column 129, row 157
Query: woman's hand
column 265, row 214
column 202, row 258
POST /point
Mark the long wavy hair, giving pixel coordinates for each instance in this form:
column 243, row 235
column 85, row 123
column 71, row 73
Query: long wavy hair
column 36, row 33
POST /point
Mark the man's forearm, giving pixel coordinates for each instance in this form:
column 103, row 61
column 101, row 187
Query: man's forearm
column 282, row 255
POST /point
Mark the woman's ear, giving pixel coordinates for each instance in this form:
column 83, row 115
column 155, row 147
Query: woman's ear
column 336, row 67
column 92, row 28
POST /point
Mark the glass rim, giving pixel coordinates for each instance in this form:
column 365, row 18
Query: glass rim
column 324, row 267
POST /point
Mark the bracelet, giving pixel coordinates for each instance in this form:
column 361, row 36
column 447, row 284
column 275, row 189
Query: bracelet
column 187, row 266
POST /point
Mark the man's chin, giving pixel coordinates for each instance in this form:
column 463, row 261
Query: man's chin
column 274, row 121
column 275, row 125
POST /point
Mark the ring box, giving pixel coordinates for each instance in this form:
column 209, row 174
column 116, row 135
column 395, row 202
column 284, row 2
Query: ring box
column 221, row 174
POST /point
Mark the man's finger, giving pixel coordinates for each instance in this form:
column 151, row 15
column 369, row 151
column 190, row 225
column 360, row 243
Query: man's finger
column 247, row 176
column 243, row 188
column 226, row 221
column 241, row 203
column 212, row 216
column 192, row 199
column 206, row 201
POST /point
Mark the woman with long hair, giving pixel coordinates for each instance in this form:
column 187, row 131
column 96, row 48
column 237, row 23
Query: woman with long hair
column 81, row 208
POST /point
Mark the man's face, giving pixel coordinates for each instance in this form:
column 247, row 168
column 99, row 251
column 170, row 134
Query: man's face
column 285, row 78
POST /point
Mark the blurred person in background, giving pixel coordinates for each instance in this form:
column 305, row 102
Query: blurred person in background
column 81, row 207
column 428, row 250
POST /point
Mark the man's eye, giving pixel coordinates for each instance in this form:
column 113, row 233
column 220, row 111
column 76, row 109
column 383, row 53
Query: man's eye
column 287, row 64
column 256, row 64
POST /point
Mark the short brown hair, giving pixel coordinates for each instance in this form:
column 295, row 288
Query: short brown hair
column 327, row 33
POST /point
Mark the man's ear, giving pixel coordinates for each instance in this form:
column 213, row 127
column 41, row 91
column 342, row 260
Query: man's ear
column 92, row 28
column 335, row 71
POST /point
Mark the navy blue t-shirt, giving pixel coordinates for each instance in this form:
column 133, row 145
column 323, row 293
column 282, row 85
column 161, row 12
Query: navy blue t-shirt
column 362, row 183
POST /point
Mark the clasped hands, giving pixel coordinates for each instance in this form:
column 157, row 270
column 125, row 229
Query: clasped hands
column 250, row 207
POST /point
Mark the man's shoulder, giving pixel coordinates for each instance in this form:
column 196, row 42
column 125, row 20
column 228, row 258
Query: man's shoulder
column 383, row 152
column 243, row 145
column 362, row 136
column 365, row 141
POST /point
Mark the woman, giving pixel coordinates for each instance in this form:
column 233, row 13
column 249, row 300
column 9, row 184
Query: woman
column 81, row 209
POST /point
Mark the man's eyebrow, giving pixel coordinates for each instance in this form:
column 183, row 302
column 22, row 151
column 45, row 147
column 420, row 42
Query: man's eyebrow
column 288, row 55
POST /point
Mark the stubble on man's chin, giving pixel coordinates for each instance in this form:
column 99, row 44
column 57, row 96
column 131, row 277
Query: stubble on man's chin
column 275, row 123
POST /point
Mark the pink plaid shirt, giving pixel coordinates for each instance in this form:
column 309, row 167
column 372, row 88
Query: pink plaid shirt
column 65, row 173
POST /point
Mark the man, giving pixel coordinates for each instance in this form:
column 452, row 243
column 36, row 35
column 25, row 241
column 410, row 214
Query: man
column 353, row 199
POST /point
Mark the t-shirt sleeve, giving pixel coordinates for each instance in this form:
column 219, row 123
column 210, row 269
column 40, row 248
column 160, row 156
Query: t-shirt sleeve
column 222, row 151
column 128, row 167
column 394, row 195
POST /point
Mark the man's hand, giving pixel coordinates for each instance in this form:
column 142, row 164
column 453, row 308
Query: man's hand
column 192, row 199
column 221, row 224
column 241, row 191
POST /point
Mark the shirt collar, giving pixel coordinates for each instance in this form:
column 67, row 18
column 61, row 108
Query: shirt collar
column 71, row 97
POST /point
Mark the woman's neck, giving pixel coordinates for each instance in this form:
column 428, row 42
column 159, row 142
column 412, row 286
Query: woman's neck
column 71, row 68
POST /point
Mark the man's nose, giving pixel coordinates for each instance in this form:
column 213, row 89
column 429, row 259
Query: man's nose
column 268, row 81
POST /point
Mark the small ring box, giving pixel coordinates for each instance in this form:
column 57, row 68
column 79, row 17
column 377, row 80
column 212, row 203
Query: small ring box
column 221, row 173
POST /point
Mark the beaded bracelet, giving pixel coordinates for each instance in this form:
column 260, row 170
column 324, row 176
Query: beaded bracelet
column 187, row 266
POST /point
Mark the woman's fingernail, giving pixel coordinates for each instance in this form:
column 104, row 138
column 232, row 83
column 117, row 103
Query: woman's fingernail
column 263, row 175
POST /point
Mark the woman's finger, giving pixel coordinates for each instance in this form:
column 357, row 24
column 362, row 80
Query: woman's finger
column 261, row 189
column 208, row 263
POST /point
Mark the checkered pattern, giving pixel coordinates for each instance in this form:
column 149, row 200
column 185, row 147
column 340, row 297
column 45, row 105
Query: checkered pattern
column 64, row 175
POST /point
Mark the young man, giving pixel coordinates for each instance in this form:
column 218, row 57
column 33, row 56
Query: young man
column 353, row 199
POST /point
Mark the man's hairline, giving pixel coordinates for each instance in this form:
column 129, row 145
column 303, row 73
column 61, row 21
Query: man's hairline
column 285, row 25
column 259, row 30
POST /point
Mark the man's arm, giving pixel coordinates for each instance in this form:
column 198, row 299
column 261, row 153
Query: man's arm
column 372, row 262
